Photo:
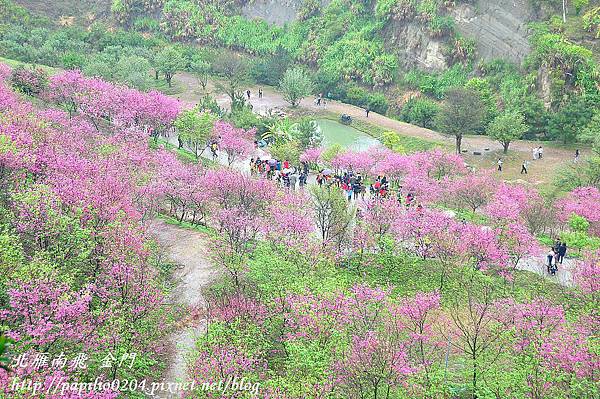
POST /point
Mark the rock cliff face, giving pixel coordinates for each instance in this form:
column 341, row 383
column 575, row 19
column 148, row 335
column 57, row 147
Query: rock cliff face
column 414, row 46
column 498, row 26
column 276, row 12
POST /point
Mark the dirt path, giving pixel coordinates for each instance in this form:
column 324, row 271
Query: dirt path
column 540, row 171
column 188, row 249
column 563, row 275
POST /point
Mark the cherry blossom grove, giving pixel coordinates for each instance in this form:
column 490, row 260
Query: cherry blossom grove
column 408, row 299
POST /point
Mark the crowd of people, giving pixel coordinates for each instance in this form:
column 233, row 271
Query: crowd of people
column 282, row 172
column 355, row 186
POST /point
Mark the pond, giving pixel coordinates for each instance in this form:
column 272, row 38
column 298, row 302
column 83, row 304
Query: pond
column 347, row 136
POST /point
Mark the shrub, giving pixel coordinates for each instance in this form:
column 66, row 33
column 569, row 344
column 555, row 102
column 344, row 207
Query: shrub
column 133, row 71
column 377, row 102
column 357, row 96
column 29, row 81
column 361, row 97
column 591, row 21
column 270, row 70
column 441, row 26
column 420, row 112
column 243, row 117
column 146, row 24
column 73, row 60
column 295, row 85
column 437, row 84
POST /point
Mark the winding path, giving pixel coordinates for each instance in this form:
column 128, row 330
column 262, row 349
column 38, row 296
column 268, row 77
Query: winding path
column 187, row 249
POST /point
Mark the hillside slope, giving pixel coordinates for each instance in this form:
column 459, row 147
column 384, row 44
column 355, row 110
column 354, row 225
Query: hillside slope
column 79, row 9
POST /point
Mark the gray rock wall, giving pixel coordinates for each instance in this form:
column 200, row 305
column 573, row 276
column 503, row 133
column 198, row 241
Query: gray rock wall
column 498, row 26
column 414, row 46
column 276, row 12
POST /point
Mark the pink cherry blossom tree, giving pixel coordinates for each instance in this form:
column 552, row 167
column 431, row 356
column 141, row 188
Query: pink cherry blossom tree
column 583, row 201
column 237, row 143
column 471, row 191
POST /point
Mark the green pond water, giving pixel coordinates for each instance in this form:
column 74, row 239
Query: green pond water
column 347, row 136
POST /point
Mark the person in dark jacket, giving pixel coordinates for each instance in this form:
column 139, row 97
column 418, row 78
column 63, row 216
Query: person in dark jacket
column 562, row 251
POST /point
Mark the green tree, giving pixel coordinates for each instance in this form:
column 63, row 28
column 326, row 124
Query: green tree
column 578, row 237
column 591, row 133
column 234, row 71
column 133, row 71
column 507, row 127
column 461, row 113
column 295, row 85
column 169, row 61
column 420, row 112
column 194, row 128
column 308, row 133
column 100, row 67
column 393, row 141
column 333, row 216
column 288, row 150
column 269, row 71
column 200, row 69
column 488, row 97
column 572, row 119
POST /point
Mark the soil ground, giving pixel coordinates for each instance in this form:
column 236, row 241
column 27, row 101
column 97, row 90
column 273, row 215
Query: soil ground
column 187, row 249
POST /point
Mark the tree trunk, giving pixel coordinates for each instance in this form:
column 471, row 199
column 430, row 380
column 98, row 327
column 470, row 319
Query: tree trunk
column 474, row 376
column 458, row 143
column 505, row 146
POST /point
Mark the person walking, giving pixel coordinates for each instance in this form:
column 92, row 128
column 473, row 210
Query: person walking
column 356, row 188
column 320, row 179
column 213, row 148
column 367, row 110
column 576, row 159
column 524, row 166
column 540, row 152
column 260, row 92
column 500, row 164
column 562, row 251
column 302, row 180
column 549, row 259
column 293, row 180
column 248, row 94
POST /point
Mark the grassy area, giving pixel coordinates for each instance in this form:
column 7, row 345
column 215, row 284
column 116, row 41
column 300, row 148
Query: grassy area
column 183, row 154
column 13, row 64
column 409, row 275
column 196, row 227
column 162, row 86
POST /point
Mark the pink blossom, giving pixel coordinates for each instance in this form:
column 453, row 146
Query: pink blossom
column 585, row 202
column 237, row 143
column 312, row 155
